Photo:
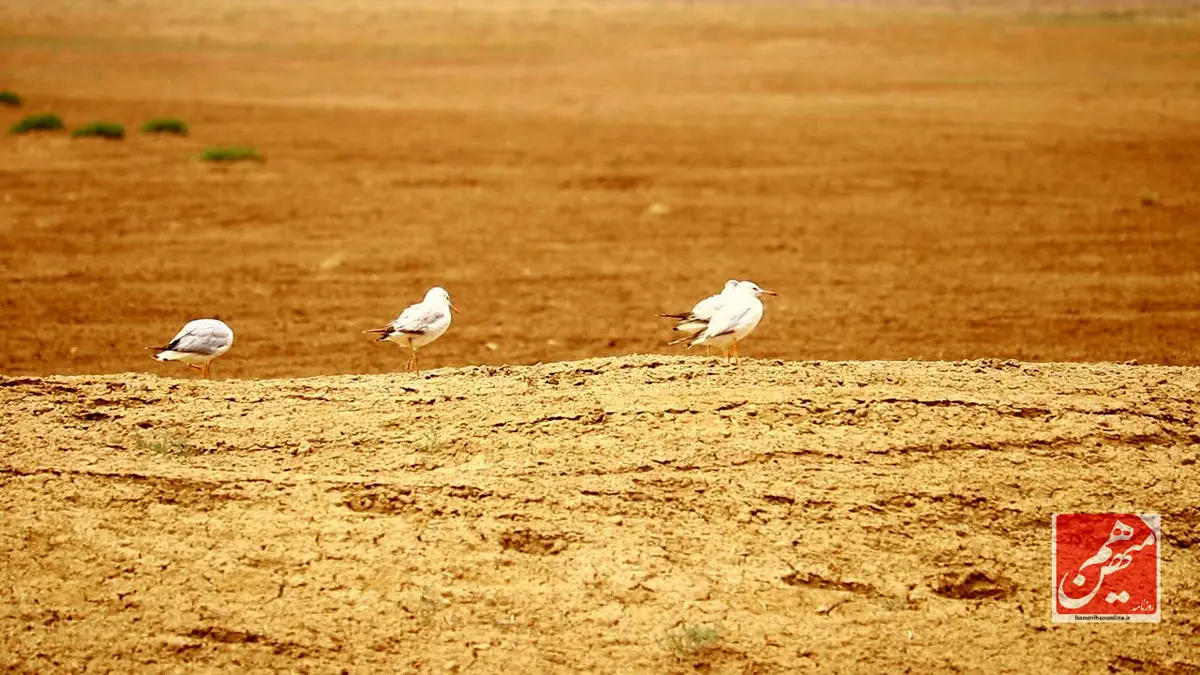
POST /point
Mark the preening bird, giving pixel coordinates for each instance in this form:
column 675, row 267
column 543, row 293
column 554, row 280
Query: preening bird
column 420, row 324
column 737, row 318
column 197, row 344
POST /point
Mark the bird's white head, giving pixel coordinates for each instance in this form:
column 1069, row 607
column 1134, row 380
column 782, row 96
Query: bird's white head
column 754, row 289
column 730, row 286
column 440, row 295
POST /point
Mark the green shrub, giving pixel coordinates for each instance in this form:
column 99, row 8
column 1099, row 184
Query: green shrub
column 47, row 122
column 232, row 153
column 109, row 130
column 167, row 444
column 166, row 126
column 689, row 642
column 9, row 98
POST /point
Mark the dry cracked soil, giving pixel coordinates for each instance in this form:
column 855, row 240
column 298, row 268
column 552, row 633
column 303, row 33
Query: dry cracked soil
column 632, row 514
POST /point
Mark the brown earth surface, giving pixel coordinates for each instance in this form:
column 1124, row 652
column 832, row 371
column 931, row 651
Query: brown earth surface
column 946, row 182
column 869, row 517
column 930, row 185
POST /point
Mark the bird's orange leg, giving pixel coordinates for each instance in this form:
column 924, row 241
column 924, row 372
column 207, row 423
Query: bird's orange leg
column 736, row 357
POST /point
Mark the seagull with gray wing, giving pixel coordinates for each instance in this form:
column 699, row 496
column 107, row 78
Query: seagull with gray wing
column 197, row 344
column 736, row 319
column 693, row 322
column 420, row 324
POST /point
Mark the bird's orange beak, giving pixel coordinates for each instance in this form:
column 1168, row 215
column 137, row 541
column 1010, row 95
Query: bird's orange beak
column 766, row 292
column 455, row 309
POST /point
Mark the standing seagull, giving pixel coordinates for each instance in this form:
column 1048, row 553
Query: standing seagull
column 420, row 324
column 695, row 321
column 197, row 344
column 737, row 318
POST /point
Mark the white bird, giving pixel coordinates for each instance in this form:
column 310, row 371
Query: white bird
column 197, row 344
column 420, row 324
column 738, row 317
column 695, row 321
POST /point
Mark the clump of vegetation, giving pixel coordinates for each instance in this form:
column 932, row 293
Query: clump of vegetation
column 431, row 604
column 167, row 444
column 109, row 130
column 47, row 122
column 233, row 153
column 689, row 642
column 432, row 442
column 10, row 99
column 166, row 126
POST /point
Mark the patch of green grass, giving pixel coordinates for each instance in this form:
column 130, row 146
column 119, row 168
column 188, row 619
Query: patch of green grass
column 689, row 642
column 10, row 99
column 47, row 122
column 233, row 153
column 166, row 126
column 431, row 604
column 167, row 444
column 431, row 442
column 109, row 130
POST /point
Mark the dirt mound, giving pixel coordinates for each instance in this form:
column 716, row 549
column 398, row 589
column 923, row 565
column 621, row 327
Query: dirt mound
column 638, row 514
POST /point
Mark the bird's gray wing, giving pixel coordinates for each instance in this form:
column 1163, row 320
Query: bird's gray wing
column 726, row 321
column 203, row 340
column 417, row 320
column 707, row 308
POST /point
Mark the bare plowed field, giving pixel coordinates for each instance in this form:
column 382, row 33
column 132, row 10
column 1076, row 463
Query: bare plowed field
column 928, row 184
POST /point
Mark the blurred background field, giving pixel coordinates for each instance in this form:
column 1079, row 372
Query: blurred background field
column 927, row 180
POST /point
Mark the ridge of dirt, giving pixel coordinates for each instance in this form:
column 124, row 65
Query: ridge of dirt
column 867, row 516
